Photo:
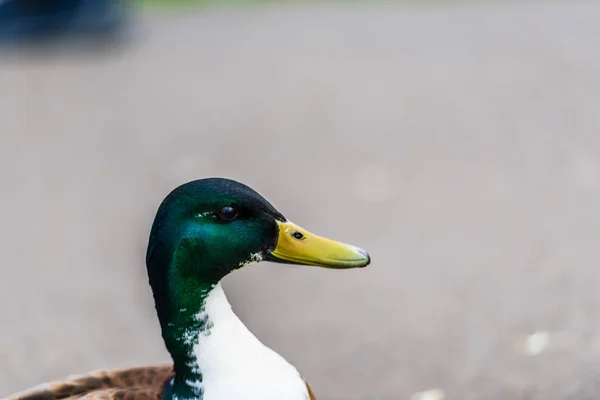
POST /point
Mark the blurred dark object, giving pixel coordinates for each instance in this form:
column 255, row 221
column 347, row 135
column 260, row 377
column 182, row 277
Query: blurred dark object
column 23, row 20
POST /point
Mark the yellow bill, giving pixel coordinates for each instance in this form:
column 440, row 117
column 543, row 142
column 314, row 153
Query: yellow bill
column 296, row 245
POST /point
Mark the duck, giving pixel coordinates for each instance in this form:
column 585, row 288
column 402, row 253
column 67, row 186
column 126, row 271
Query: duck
column 202, row 231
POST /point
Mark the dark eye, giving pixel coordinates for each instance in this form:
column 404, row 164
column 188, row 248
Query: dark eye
column 228, row 213
column 298, row 235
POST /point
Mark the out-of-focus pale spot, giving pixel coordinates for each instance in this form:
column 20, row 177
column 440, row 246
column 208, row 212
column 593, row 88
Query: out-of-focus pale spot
column 541, row 341
column 373, row 183
column 536, row 343
column 430, row 394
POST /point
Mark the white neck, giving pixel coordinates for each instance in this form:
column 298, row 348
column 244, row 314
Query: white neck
column 234, row 364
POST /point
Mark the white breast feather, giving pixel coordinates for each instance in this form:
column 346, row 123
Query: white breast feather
column 235, row 365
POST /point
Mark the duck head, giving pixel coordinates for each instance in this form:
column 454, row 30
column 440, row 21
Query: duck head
column 224, row 225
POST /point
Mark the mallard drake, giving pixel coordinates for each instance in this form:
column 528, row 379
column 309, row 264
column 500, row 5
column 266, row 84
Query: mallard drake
column 203, row 230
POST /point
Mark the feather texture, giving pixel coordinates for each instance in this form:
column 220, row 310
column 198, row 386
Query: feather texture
column 140, row 383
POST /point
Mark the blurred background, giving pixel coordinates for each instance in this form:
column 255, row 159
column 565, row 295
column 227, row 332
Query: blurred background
column 458, row 142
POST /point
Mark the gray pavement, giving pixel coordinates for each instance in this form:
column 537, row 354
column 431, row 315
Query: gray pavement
column 459, row 144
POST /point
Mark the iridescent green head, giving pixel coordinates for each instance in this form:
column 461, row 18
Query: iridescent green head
column 222, row 223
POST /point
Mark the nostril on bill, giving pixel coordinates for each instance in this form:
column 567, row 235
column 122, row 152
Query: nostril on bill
column 298, row 235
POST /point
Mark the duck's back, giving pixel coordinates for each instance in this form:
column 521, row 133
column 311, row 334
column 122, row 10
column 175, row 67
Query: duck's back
column 143, row 383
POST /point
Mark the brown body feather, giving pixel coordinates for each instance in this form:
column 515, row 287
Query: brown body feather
column 142, row 383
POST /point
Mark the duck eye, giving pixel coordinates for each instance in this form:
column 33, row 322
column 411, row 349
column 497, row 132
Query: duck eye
column 228, row 213
column 298, row 235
